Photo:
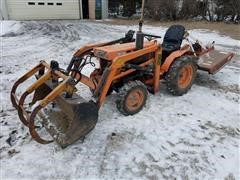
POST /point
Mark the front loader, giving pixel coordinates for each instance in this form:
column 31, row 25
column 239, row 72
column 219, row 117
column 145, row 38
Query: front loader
column 130, row 67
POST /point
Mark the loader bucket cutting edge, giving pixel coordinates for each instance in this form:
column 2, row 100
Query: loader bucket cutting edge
column 69, row 119
column 66, row 119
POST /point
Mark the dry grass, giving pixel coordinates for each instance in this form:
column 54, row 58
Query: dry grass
column 231, row 30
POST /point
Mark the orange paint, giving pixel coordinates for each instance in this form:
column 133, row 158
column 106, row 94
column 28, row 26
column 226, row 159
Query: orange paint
column 169, row 60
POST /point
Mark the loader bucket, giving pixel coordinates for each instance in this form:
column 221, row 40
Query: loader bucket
column 69, row 119
column 64, row 114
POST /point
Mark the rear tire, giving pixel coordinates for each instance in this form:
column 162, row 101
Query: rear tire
column 132, row 98
column 181, row 75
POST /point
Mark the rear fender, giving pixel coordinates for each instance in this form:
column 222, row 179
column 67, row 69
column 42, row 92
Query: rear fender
column 173, row 56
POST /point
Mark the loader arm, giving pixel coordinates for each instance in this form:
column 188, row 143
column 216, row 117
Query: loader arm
column 57, row 86
column 112, row 72
column 76, row 60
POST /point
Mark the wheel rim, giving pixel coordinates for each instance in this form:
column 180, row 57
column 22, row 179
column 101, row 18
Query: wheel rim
column 185, row 76
column 135, row 100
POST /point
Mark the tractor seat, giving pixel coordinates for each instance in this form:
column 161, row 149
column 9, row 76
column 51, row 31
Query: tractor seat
column 172, row 40
column 170, row 46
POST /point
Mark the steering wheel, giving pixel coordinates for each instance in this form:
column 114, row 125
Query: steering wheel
column 149, row 37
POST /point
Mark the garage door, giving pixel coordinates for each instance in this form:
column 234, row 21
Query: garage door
column 43, row 9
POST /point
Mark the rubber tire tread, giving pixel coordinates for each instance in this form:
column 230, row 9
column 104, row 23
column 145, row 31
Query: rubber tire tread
column 123, row 93
column 173, row 73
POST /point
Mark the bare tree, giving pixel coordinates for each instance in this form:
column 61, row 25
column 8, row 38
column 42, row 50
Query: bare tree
column 178, row 9
column 162, row 9
column 129, row 8
column 189, row 9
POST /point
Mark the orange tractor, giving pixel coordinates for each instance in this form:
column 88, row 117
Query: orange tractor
column 130, row 67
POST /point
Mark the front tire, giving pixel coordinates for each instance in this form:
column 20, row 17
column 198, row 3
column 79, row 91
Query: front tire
column 132, row 98
column 181, row 75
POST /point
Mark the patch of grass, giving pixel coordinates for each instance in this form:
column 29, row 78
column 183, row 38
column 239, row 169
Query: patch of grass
column 232, row 30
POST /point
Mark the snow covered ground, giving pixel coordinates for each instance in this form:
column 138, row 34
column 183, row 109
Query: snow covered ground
column 195, row 136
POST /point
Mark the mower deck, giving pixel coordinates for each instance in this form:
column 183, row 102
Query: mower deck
column 214, row 61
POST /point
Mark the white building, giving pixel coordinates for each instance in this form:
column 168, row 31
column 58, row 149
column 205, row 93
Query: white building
column 53, row 9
